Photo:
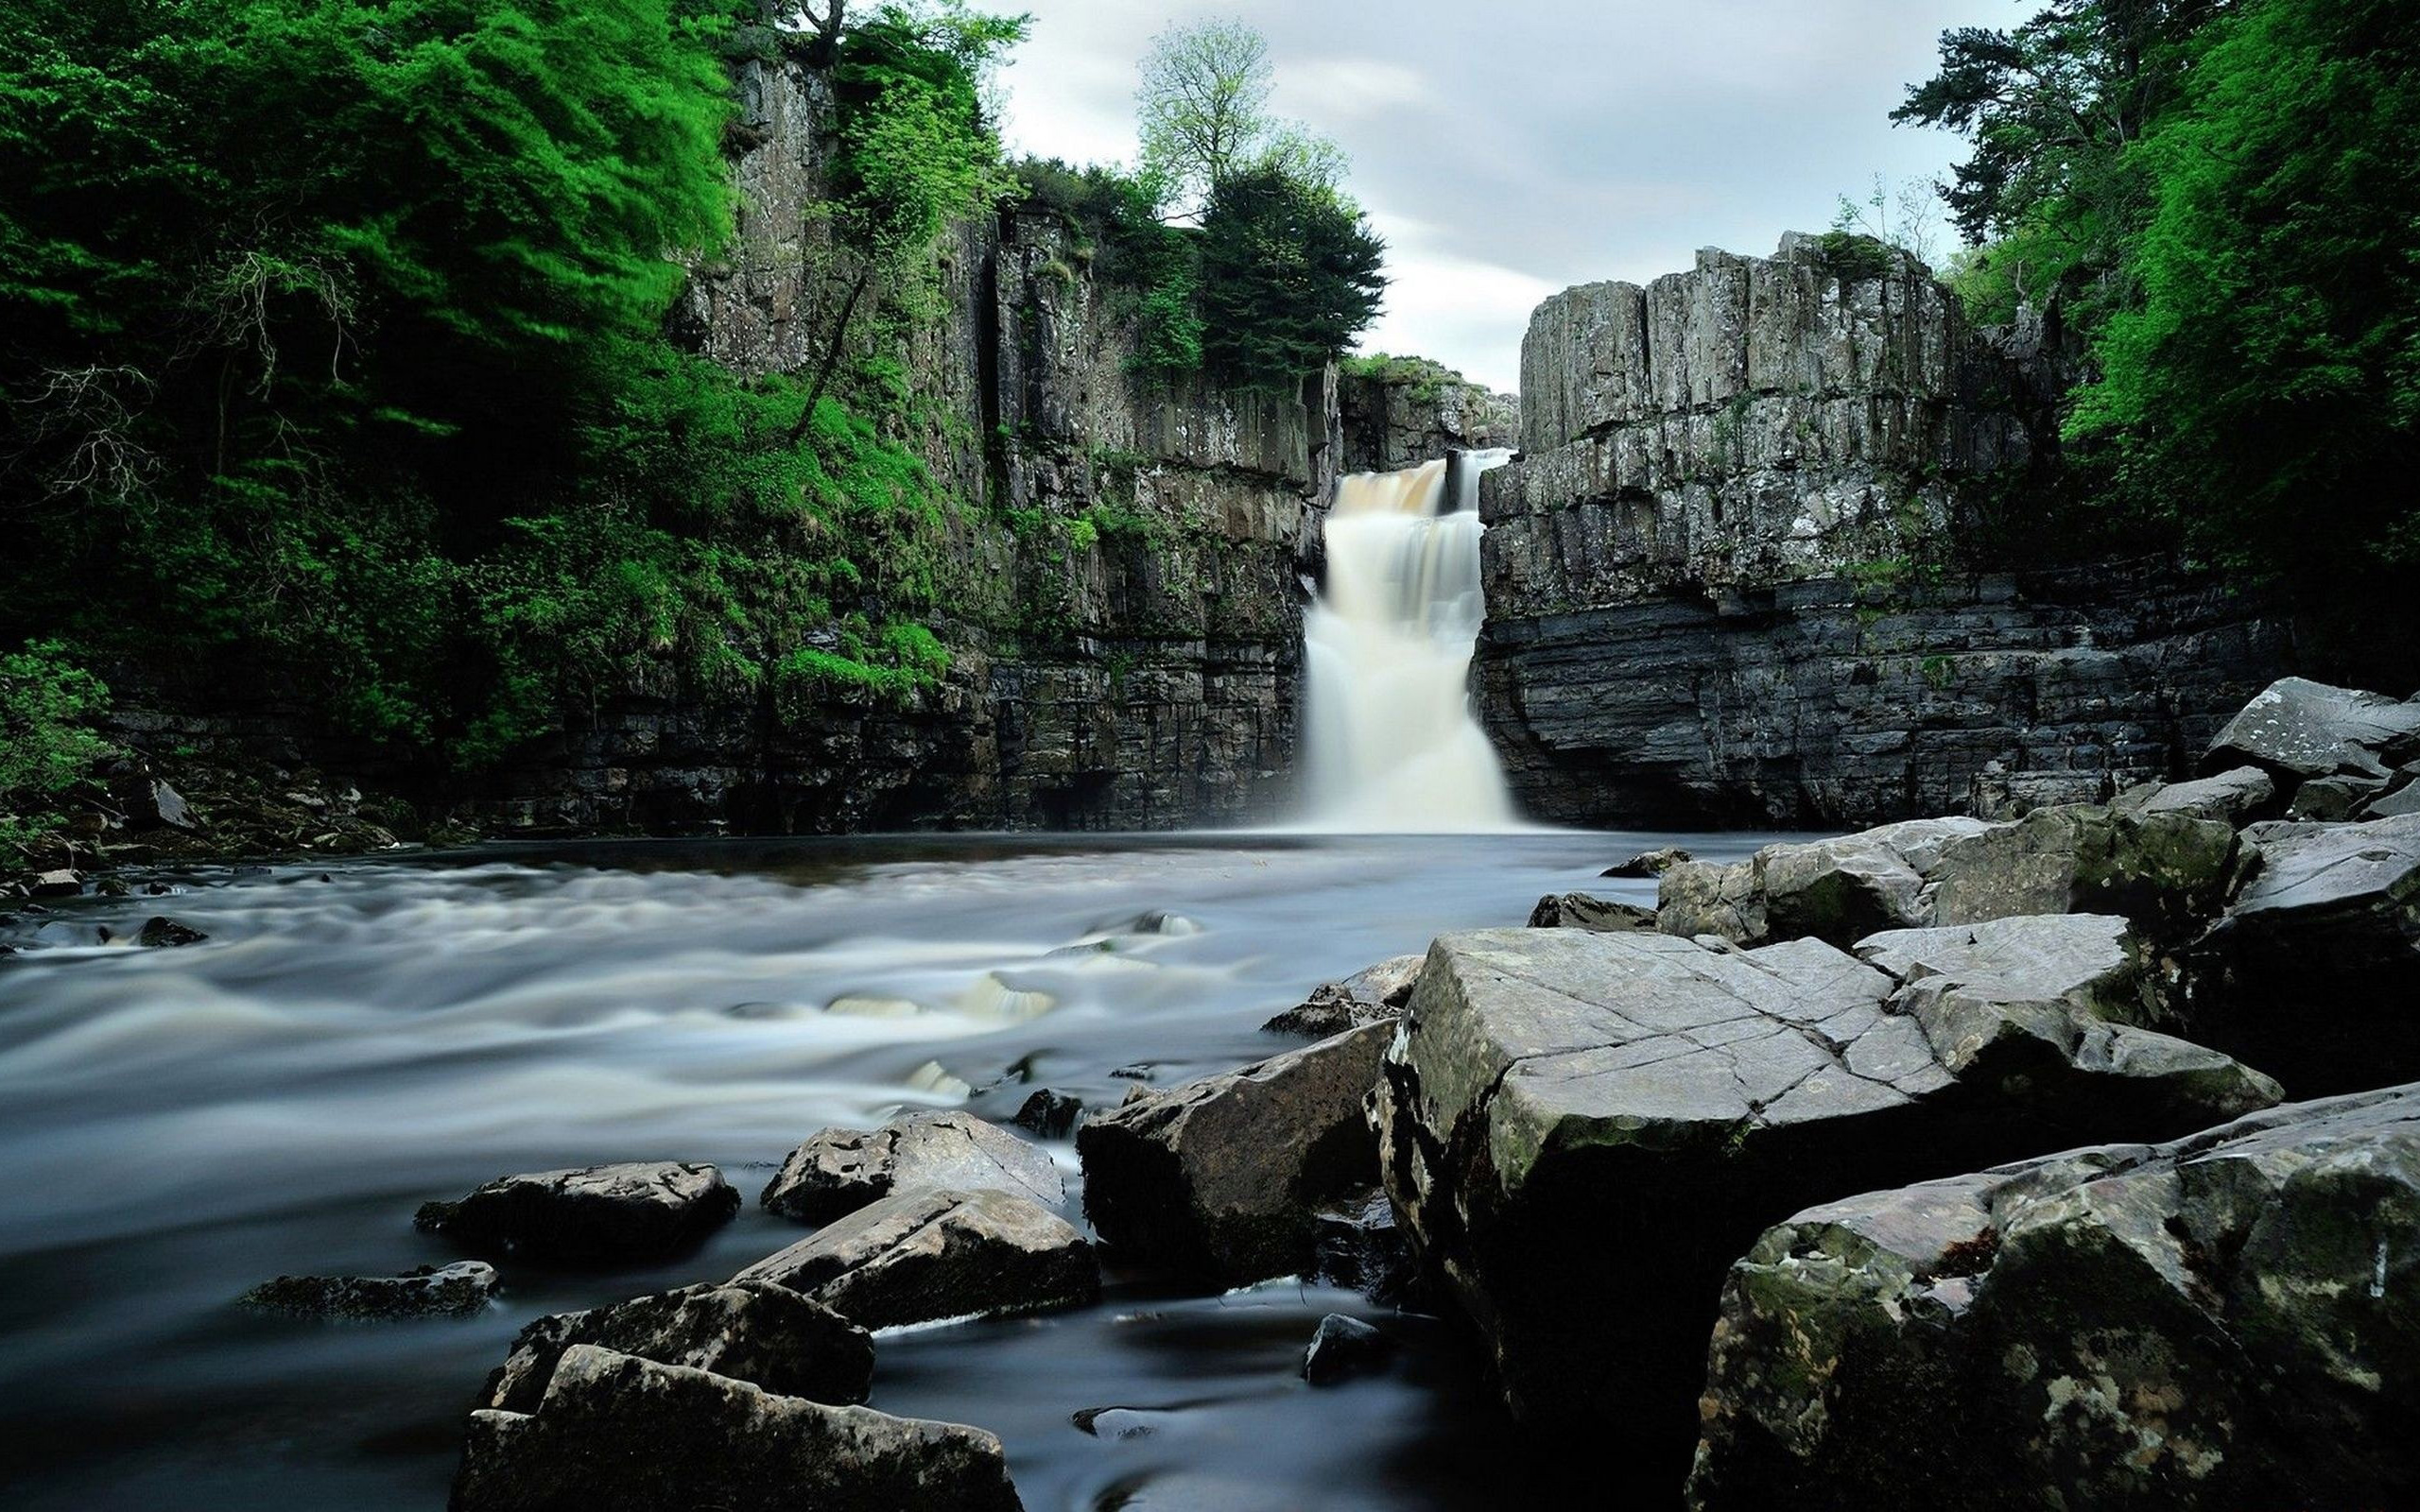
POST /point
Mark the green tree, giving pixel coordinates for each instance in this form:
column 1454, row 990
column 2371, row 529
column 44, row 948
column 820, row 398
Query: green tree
column 2265, row 389
column 1290, row 275
column 1203, row 116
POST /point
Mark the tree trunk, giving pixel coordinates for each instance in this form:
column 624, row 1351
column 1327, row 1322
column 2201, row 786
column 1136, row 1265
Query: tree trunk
column 832, row 350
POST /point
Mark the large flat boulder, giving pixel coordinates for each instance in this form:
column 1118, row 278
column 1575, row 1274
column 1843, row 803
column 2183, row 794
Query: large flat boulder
column 2168, row 870
column 1582, row 1131
column 842, row 1170
column 2315, row 968
column 592, row 1215
column 754, row 1332
column 1225, row 1177
column 2236, row 797
column 2297, row 730
column 618, row 1433
column 2225, row 1322
column 918, row 1256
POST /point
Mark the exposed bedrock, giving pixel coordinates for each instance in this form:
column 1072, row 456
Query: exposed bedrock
column 1730, row 578
column 1583, row 1130
column 2228, row 1321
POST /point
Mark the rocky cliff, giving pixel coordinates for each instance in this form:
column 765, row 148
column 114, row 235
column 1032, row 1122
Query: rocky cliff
column 1734, row 577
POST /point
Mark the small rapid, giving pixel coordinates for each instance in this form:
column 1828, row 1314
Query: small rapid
column 1391, row 743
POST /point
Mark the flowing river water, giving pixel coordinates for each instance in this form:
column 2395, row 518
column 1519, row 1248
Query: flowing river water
column 178, row 1125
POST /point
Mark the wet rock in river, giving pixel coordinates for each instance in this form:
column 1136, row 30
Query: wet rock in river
column 1650, row 864
column 2219, row 1323
column 618, row 1433
column 1051, row 1114
column 1582, row 1131
column 595, row 1214
column 790, row 1345
column 60, row 884
column 1578, row 910
column 917, row 1256
column 1371, row 994
column 1344, row 1347
column 839, row 1171
column 1357, row 1243
column 162, row 933
column 1222, row 1176
column 431, row 1291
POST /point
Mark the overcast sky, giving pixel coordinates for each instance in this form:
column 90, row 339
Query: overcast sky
column 1510, row 149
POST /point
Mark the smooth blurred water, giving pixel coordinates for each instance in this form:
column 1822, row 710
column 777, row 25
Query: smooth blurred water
column 178, row 1125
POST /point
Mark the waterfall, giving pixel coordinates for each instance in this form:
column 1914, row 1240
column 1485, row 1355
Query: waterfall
column 1392, row 743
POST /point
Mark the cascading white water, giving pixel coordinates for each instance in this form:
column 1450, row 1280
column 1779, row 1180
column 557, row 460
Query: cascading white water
column 1392, row 743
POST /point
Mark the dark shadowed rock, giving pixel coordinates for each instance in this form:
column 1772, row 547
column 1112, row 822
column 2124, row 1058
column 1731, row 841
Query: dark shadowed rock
column 2315, row 970
column 2224, row 1322
column 1577, row 910
column 162, row 933
column 1367, row 996
column 1649, row 865
column 618, row 1433
column 1582, row 1131
column 917, row 1256
column 754, row 1332
column 1221, row 1177
column 2238, row 798
column 840, row 1170
column 1051, row 1114
column 1357, row 1243
column 2297, row 730
column 595, row 1214
column 1344, row 1347
column 2334, row 799
column 432, row 1290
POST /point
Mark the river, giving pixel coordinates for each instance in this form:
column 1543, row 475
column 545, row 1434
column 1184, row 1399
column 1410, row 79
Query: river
column 177, row 1124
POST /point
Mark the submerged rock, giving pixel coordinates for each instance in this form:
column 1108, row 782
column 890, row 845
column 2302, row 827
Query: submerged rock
column 598, row 1213
column 754, row 1332
column 917, row 1256
column 839, row 1170
column 1578, row 910
column 2219, row 1323
column 1222, row 1176
column 1344, row 1347
column 431, row 1291
column 618, row 1433
column 1582, row 1131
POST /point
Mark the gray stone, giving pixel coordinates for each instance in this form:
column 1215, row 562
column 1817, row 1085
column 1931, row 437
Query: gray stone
column 1222, row 1176
column 1344, row 1347
column 1650, row 864
column 2219, row 1323
column 1572, row 1117
column 618, row 1433
column 753, row 1331
column 839, row 1171
column 2237, row 797
column 432, row 1290
column 922, row 1255
column 61, row 883
column 2334, row 799
column 1578, row 910
column 641, row 1210
column 2299, row 730
column 1371, row 994
column 1051, row 1114
column 158, row 932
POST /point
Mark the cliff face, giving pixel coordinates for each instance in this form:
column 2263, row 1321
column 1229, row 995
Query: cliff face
column 1124, row 609
column 1401, row 413
column 1722, row 584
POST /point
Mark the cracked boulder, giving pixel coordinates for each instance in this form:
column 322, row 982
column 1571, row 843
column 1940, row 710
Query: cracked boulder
column 2229, row 1321
column 917, row 1256
column 1582, row 1131
column 2314, row 971
column 1225, row 1177
column 2299, row 731
column 754, row 1332
column 2168, row 870
column 595, row 1216
column 842, row 1170
column 618, row 1433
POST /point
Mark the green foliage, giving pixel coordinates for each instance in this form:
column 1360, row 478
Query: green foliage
column 1427, row 379
column 1855, row 257
column 1291, row 274
column 2264, row 388
column 47, row 705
